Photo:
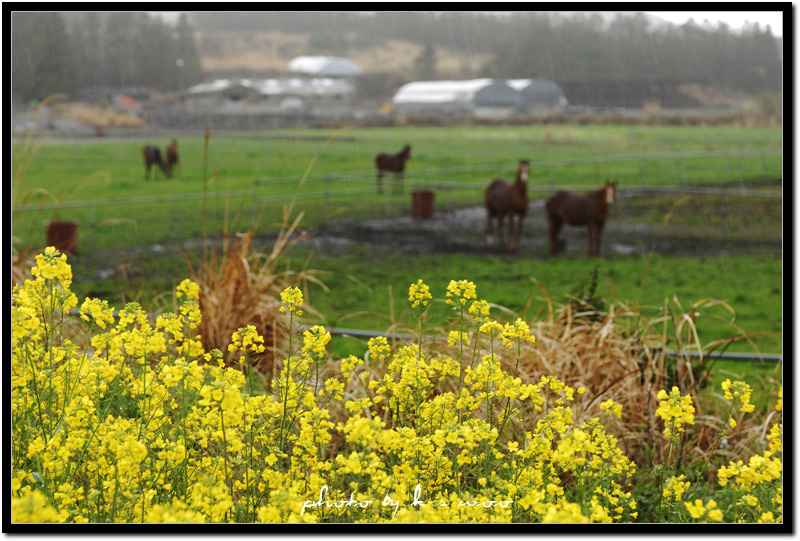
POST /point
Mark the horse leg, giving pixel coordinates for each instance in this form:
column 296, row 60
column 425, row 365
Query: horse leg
column 598, row 237
column 489, row 229
column 380, row 181
column 398, row 182
column 511, row 232
column 555, row 227
column 592, row 240
column 500, row 217
column 518, row 231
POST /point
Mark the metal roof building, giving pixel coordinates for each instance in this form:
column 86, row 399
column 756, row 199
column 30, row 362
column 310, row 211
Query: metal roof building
column 430, row 96
column 325, row 66
column 539, row 93
column 291, row 93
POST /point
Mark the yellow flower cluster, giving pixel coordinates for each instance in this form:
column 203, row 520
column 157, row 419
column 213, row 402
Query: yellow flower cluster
column 459, row 292
column 612, row 407
column 699, row 510
column 675, row 410
column 292, row 298
column 189, row 289
column 246, row 340
column 419, row 293
column 315, row 341
column 675, row 488
column 515, row 333
column 757, row 484
column 739, row 392
column 145, row 426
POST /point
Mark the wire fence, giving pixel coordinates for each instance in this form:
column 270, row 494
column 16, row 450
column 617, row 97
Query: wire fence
column 158, row 220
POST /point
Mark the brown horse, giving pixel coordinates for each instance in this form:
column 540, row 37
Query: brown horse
column 506, row 199
column 395, row 163
column 592, row 210
column 153, row 156
column 172, row 157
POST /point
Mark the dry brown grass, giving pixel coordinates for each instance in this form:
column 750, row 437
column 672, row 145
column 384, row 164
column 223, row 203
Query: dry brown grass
column 21, row 265
column 98, row 117
column 108, row 118
column 620, row 355
column 241, row 286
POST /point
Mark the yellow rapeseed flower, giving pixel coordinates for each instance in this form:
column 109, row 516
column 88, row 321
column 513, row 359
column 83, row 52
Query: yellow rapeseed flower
column 462, row 291
column 292, row 298
column 188, row 288
column 419, row 293
column 675, row 410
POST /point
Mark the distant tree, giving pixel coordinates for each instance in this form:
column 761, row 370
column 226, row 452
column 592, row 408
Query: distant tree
column 144, row 51
column 185, row 50
column 120, row 43
column 425, row 63
column 43, row 56
column 328, row 43
column 87, row 33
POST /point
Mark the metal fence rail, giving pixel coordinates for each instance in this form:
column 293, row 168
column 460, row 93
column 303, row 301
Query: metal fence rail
column 357, row 333
column 362, row 334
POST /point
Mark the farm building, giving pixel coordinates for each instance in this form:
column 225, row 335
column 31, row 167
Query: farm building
column 539, row 93
column 227, row 95
column 481, row 97
column 325, row 66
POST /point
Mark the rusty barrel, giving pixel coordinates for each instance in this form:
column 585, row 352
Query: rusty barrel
column 63, row 236
column 422, row 203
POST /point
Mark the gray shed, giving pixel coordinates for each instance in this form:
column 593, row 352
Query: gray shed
column 443, row 96
column 539, row 93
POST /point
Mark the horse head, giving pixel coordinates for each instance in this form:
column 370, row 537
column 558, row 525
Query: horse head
column 522, row 172
column 406, row 152
column 611, row 192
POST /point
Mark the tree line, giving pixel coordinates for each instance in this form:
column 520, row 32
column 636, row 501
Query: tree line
column 582, row 47
column 64, row 52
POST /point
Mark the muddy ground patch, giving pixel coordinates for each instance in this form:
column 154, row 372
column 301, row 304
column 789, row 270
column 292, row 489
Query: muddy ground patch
column 638, row 225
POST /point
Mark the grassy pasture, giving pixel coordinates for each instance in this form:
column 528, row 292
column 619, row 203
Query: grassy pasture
column 257, row 173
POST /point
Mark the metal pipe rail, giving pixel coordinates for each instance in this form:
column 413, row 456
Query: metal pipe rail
column 358, row 333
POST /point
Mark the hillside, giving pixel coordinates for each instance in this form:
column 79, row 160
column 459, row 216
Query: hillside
column 263, row 53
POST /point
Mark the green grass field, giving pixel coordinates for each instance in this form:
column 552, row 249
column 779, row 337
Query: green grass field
column 361, row 287
column 245, row 179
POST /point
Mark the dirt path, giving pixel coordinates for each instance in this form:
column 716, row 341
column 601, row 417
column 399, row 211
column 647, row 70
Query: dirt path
column 464, row 231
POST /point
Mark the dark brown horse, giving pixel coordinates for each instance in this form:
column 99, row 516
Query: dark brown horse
column 153, row 156
column 172, row 157
column 395, row 163
column 504, row 199
column 592, row 210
